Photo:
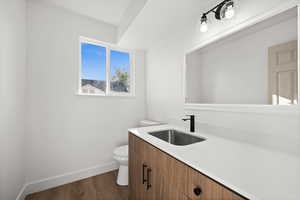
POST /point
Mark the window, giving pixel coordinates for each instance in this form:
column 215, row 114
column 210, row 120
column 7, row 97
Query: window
column 93, row 69
column 119, row 71
column 105, row 70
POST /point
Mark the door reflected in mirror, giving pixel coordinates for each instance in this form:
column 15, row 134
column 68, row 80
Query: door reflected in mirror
column 257, row 65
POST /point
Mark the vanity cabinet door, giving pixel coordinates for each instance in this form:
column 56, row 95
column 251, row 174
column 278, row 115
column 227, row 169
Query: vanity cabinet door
column 153, row 174
column 166, row 176
column 155, row 183
column 144, row 182
column 136, row 169
column 175, row 173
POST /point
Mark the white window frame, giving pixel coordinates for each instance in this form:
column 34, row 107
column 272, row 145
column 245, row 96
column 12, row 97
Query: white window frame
column 109, row 47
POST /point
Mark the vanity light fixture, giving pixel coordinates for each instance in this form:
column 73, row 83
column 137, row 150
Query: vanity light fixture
column 224, row 10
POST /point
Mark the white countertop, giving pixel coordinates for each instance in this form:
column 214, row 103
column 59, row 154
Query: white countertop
column 254, row 172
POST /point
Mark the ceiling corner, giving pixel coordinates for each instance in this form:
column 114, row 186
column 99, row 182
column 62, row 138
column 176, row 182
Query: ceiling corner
column 134, row 8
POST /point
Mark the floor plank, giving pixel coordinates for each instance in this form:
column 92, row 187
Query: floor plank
column 102, row 187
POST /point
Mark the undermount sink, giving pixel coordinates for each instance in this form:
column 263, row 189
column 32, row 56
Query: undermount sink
column 176, row 137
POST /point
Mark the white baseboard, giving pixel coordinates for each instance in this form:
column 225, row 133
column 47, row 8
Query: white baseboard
column 55, row 181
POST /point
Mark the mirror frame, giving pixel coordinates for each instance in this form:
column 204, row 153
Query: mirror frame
column 246, row 108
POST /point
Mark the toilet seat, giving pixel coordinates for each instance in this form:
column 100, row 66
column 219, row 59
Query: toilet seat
column 121, row 152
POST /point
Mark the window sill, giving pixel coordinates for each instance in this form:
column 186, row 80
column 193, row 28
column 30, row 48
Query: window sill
column 106, row 95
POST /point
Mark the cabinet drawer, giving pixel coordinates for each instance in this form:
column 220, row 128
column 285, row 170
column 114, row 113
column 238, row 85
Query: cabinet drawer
column 209, row 189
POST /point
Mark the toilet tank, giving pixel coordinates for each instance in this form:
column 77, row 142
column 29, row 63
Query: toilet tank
column 145, row 123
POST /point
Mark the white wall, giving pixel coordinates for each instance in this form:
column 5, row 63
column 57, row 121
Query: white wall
column 165, row 85
column 67, row 132
column 12, row 97
column 235, row 69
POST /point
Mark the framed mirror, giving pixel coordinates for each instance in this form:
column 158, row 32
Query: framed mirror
column 257, row 65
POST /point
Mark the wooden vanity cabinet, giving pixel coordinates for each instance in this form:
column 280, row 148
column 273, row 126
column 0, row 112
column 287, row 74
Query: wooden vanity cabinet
column 155, row 175
column 147, row 173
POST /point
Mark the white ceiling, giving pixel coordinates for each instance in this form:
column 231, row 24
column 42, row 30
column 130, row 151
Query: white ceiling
column 161, row 19
column 109, row 11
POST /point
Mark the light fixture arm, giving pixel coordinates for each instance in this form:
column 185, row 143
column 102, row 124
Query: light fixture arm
column 216, row 7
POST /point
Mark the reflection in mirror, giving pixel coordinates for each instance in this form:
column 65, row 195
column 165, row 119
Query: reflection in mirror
column 257, row 65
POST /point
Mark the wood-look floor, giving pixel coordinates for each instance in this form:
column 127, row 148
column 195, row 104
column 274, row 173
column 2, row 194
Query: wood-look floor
column 102, row 187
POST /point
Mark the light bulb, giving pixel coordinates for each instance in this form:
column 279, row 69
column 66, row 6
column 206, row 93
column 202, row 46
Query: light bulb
column 229, row 13
column 203, row 27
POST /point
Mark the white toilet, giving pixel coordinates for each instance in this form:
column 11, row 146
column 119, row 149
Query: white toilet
column 121, row 156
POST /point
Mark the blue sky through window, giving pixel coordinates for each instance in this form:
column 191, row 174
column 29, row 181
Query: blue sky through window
column 119, row 60
column 93, row 62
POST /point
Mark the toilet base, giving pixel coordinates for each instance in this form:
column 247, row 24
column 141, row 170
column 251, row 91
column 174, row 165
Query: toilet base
column 122, row 179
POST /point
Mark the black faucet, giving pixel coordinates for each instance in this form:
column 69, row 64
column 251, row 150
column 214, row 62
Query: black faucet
column 192, row 122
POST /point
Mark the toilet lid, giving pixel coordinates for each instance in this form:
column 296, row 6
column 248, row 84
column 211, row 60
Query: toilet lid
column 121, row 151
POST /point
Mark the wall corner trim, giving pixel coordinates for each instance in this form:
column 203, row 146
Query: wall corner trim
column 66, row 178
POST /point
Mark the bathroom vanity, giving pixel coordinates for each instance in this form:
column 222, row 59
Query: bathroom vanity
column 212, row 168
column 156, row 175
